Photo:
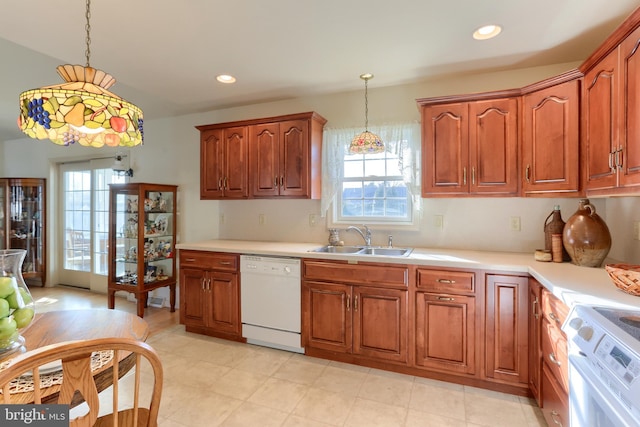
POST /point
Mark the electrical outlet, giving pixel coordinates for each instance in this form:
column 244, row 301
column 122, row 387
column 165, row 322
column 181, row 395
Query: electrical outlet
column 262, row 219
column 438, row 221
column 312, row 220
column 636, row 230
column 515, row 223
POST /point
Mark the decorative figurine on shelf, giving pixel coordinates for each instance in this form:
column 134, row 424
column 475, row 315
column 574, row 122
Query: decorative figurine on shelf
column 162, row 204
column 132, row 204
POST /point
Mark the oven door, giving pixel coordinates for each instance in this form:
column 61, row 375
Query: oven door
column 591, row 403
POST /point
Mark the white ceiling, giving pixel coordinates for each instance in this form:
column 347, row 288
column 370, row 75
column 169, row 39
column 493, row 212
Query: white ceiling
column 165, row 54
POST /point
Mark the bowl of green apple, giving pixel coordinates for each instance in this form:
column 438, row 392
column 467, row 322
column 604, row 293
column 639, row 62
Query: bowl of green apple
column 17, row 308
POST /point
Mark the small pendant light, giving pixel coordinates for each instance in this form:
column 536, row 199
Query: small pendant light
column 366, row 142
column 81, row 110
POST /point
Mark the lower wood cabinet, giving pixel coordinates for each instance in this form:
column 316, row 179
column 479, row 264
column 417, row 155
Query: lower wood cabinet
column 210, row 293
column 445, row 324
column 507, row 315
column 344, row 312
column 555, row 401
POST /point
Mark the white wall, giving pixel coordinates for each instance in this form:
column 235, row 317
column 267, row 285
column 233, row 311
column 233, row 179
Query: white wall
column 171, row 155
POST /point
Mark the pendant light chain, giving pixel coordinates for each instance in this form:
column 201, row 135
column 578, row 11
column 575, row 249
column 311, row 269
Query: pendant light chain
column 366, row 106
column 87, row 28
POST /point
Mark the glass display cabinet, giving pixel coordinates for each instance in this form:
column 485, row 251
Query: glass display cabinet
column 142, row 238
column 22, row 223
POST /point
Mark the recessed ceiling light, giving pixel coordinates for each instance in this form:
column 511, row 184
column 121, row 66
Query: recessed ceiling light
column 225, row 78
column 487, row 32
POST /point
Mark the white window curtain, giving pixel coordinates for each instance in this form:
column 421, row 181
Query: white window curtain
column 401, row 138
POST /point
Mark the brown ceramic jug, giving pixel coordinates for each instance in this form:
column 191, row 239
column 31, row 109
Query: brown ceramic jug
column 586, row 236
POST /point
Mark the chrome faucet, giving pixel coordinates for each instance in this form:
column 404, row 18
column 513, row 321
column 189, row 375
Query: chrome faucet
column 366, row 235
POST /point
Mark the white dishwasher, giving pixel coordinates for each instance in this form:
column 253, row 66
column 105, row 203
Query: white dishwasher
column 270, row 301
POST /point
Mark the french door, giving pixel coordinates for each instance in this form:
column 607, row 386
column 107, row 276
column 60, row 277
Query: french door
column 84, row 228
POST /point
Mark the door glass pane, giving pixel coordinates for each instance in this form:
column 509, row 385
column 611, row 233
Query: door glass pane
column 77, row 221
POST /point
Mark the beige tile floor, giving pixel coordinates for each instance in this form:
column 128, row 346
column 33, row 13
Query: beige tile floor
column 214, row 382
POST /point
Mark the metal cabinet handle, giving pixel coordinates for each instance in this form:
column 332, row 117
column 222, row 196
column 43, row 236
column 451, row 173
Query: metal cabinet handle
column 225, row 183
column 446, row 281
column 446, row 299
column 202, row 283
column 209, row 284
column 348, row 303
column 473, row 175
column 619, row 158
column 552, row 357
column 526, row 173
column 220, row 183
column 275, row 181
column 611, row 161
column 553, row 317
column 534, row 304
column 555, row 414
column 464, row 175
column 355, row 303
column 282, row 181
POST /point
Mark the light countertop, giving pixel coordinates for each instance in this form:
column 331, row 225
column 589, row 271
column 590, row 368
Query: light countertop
column 571, row 283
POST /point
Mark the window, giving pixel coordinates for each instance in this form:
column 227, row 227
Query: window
column 378, row 188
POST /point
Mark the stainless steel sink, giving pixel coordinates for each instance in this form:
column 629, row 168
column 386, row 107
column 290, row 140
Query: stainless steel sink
column 339, row 249
column 384, row 251
column 365, row 250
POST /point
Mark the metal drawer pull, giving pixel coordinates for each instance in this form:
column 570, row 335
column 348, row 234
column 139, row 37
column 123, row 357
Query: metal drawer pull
column 224, row 262
column 275, row 181
column 554, row 414
column 533, row 308
column 526, row 173
column 553, row 317
column 202, row 283
column 552, row 357
column 348, row 302
column 355, row 303
column 447, row 281
column 190, row 260
column 446, row 299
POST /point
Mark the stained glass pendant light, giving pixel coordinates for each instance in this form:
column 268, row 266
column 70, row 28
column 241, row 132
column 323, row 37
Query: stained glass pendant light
column 366, row 142
column 81, row 110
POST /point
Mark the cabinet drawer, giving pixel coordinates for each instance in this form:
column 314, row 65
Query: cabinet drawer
column 446, row 281
column 209, row 260
column 555, row 401
column 362, row 274
column 554, row 310
column 554, row 353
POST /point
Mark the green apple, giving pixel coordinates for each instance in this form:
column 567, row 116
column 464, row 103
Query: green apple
column 16, row 302
column 4, row 308
column 7, row 327
column 23, row 316
column 8, row 286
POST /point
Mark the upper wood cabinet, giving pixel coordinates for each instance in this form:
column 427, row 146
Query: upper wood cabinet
column 470, row 147
column 224, row 163
column 263, row 158
column 551, row 139
column 611, row 120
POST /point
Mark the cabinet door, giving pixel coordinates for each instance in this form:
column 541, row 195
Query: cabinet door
column 224, row 300
column 294, row 158
column 535, row 354
column 550, row 139
column 264, row 156
column 211, row 164
column 236, row 156
column 445, row 332
column 629, row 108
column 380, row 323
column 445, row 142
column 193, row 301
column 600, row 115
column 327, row 319
column 493, row 146
column 506, row 328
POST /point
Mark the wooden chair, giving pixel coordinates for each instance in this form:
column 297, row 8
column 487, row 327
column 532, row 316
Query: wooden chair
column 78, row 377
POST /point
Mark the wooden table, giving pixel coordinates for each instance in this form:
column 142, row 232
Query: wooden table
column 69, row 325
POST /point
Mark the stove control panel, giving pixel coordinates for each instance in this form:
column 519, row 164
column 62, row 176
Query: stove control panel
column 620, row 361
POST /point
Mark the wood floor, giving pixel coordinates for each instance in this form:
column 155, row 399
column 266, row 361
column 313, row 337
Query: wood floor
column 69, row 298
